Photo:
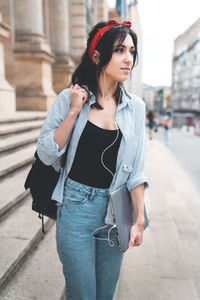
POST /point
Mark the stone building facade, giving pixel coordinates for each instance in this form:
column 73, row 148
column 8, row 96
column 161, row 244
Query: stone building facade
column 186, row 70
column 41, row 42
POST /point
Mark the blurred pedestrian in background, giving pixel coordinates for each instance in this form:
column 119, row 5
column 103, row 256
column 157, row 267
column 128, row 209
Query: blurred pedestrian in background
column 189, row 120
column 157, row 123
column 167, row 123
column 151, row 123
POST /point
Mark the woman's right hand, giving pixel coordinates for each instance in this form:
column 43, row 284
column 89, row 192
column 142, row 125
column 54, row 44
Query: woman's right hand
column 79, row 97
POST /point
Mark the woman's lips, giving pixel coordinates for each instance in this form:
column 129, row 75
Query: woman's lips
column 125, row 69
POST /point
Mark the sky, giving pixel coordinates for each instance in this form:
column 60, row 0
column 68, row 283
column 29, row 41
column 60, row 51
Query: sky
column 162, row 21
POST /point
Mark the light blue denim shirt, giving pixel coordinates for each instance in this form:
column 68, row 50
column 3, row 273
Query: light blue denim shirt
column 130, row 118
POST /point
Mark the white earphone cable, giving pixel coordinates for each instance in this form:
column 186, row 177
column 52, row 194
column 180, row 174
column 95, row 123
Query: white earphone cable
column 111, row 243
column 102, row 154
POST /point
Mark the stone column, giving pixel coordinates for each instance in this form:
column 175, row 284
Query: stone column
column 102, row 11
column 94, row 16
column 59, row 41
column 33, row 58
column 78, row 28
column 7, row 93
column 6, row 8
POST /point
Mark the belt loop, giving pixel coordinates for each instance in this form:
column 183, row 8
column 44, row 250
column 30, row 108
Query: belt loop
column 92, row 193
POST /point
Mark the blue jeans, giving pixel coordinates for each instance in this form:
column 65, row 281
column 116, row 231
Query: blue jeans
column 91, row 267
column 168, row 136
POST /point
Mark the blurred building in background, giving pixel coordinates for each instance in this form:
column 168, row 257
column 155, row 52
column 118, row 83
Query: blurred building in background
column 40, row 44
column 186, row 72
column 157, row 98
column 148, row 95
column 162, row 103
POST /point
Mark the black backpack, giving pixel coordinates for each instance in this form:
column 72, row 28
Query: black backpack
column 42, row 181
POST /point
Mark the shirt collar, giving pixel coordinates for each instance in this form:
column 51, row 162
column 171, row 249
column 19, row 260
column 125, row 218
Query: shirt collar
column 126, row 98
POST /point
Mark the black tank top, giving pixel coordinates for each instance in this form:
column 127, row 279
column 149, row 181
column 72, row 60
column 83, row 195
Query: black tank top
column 87, row 167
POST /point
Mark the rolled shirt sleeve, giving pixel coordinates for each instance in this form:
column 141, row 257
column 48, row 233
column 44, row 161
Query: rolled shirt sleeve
column 138, row 175
column 47, row 148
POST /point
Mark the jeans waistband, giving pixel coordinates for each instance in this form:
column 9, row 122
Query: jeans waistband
column 85, row 188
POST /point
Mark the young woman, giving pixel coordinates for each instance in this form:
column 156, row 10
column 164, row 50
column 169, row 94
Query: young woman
column 106, row 150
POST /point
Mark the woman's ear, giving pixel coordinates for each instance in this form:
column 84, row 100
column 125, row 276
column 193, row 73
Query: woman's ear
column 96, row 57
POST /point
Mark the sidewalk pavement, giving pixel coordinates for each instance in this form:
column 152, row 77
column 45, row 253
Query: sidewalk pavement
column 167, row 264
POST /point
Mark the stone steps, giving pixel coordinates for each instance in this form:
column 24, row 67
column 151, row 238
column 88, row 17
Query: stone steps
column 11, row 197
column 13, row 161
column 37, row 272
column 16, row 141
column 20, row 232
column 18, row 127
column 22, row 116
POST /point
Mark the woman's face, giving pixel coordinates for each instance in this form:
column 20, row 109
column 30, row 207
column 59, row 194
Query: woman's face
column 121, row 63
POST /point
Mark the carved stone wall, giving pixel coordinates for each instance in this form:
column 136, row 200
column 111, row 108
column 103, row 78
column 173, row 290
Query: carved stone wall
column 41, row 42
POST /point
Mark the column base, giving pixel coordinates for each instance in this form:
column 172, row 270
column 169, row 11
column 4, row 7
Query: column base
column 62, row 73
column 37, row 103
column 34, row 89
column 7, row 98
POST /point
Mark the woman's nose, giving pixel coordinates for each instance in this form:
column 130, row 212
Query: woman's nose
column 128, row 57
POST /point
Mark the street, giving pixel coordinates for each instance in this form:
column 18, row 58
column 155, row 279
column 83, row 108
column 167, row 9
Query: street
column 186, row 149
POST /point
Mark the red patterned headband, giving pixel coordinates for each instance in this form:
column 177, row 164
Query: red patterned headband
column 101, row 31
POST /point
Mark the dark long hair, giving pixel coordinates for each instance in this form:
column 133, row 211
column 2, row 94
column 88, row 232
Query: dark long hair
column 150, row 116
column 87, row 72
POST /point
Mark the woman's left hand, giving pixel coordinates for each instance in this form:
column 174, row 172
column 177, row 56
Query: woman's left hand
column 136, row 235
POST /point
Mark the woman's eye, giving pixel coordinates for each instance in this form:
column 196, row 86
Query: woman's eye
column 119, row 50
